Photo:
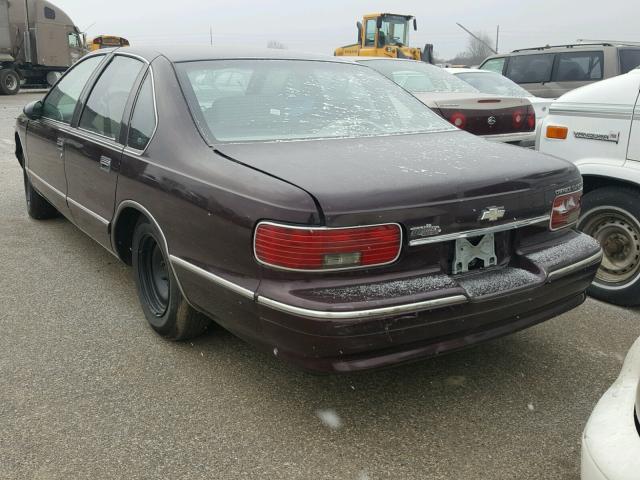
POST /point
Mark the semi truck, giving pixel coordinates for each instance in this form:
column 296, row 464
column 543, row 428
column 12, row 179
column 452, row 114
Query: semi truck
column 38, row 42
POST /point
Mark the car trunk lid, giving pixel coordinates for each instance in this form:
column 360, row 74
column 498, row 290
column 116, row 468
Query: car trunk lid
column 444, row 179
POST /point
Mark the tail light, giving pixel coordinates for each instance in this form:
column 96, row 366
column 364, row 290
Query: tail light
column 322, row 249
column 531, row 119
column 458, row 119
column 518, row 119
column 566, row 210
column 554, row 131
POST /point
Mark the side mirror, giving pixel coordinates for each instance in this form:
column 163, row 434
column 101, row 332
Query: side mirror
column 415, row 24
column 33, row 110
column 379, row 23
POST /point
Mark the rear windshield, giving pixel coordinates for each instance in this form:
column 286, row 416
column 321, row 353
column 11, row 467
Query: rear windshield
column 418, row 77
column 267, row 100
column 493, row 83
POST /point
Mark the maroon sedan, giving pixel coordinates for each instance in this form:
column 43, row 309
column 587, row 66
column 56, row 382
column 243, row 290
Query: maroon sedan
column 307, row 204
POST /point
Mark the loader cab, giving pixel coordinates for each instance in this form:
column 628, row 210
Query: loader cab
column 384, row 30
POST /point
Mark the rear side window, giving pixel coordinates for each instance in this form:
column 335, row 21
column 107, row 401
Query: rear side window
column 105, row 106
column 494, row 65
column 61, row 101
column 49, row 13
column 629, row 59
column 579, row 67
column 534, row 68
column 143, row 120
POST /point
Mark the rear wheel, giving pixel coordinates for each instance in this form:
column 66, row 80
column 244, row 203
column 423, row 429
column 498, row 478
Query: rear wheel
column 612, row 216
column 9, row 82
column 37, row 206
column 164, row 307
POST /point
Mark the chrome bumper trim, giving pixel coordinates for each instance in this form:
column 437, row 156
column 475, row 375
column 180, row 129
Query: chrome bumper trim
column 480, row 231
column 510, row 137
column 370, row 313
column 212, row 277
column 587, row 262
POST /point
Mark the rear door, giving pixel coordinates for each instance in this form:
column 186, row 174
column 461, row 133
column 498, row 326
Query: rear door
column 576, row 69
column 46, row 136
column 532, row 72
column 94, row 148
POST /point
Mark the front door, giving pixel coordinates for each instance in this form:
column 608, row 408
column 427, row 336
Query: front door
column 633, row 153
column 93, row 150
column 46, row 136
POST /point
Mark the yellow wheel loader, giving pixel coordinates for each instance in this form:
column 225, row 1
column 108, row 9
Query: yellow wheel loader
column 386, row 35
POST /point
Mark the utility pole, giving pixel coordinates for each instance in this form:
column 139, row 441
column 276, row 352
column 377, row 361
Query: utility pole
column 497, row 37
column 211, row 35
column 479, row 39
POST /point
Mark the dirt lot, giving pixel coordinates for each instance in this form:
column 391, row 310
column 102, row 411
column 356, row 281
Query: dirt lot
column 87, row 390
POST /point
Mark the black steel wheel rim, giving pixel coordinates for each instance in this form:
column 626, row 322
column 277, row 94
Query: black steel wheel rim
column 154, row 276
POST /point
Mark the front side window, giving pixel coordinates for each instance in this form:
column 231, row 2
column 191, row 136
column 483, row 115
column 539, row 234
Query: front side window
column 494, row 65
column 393, row 31
column 74, row 40
column 534, row 68
column 579, row 67
column 629, row 59
column 61, row 101
column 143, row 120
column 370, row 33
column 105, row 106
column 296, row 100
column 420, row 77
column 493, row 83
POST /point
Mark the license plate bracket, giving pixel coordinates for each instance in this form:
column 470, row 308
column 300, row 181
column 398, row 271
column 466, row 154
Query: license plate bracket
column 467, row 251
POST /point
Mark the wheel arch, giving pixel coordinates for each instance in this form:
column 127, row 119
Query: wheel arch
column 122, row 228
column 595, row 181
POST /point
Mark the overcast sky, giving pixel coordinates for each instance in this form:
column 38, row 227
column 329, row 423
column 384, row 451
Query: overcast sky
column 320, row 26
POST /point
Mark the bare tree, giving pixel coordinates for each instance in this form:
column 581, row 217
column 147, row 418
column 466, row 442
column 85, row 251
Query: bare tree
column 276, row 44
column 478, row 50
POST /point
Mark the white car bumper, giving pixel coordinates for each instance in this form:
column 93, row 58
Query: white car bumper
column 610, row 442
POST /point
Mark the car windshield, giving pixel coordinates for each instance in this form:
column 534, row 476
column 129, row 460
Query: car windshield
column 494, row 83
column 420, row 77
column 268, row 100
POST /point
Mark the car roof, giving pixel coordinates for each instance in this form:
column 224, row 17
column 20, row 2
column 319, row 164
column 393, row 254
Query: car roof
column 186, row 53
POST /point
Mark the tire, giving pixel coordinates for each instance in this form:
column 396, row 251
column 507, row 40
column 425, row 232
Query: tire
column 164, row 307
column 38, row 207
column 9, row 82
column 611, row 215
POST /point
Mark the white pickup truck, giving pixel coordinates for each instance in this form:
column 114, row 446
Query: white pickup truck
column 597, row 127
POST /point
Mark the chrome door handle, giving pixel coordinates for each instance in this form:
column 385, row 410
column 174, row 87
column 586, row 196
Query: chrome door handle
column 60, row 143
column 105, row 163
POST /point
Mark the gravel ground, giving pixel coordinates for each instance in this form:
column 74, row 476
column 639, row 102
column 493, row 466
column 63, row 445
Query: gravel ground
column 87, row 390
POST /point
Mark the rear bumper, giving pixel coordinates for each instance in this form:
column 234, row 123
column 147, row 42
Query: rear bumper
column 526, row 137
column 611, row 442
column 352, row 340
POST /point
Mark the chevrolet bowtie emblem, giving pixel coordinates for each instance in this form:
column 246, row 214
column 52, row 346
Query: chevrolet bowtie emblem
column 492, row 214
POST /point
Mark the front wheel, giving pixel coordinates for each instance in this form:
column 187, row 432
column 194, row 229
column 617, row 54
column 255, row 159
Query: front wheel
column 612, row 216
column 164, row 307
column 9, row 82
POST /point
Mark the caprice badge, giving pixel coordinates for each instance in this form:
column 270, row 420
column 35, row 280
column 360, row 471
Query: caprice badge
column 423, row 231
column 492, row 214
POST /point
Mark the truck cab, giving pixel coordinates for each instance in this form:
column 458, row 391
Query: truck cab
column 597, row 127
column 38, row 41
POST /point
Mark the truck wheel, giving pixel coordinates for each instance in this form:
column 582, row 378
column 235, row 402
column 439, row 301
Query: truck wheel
column 38, row 207
column 612, row 216
column 163, row 305
column 9, row 82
